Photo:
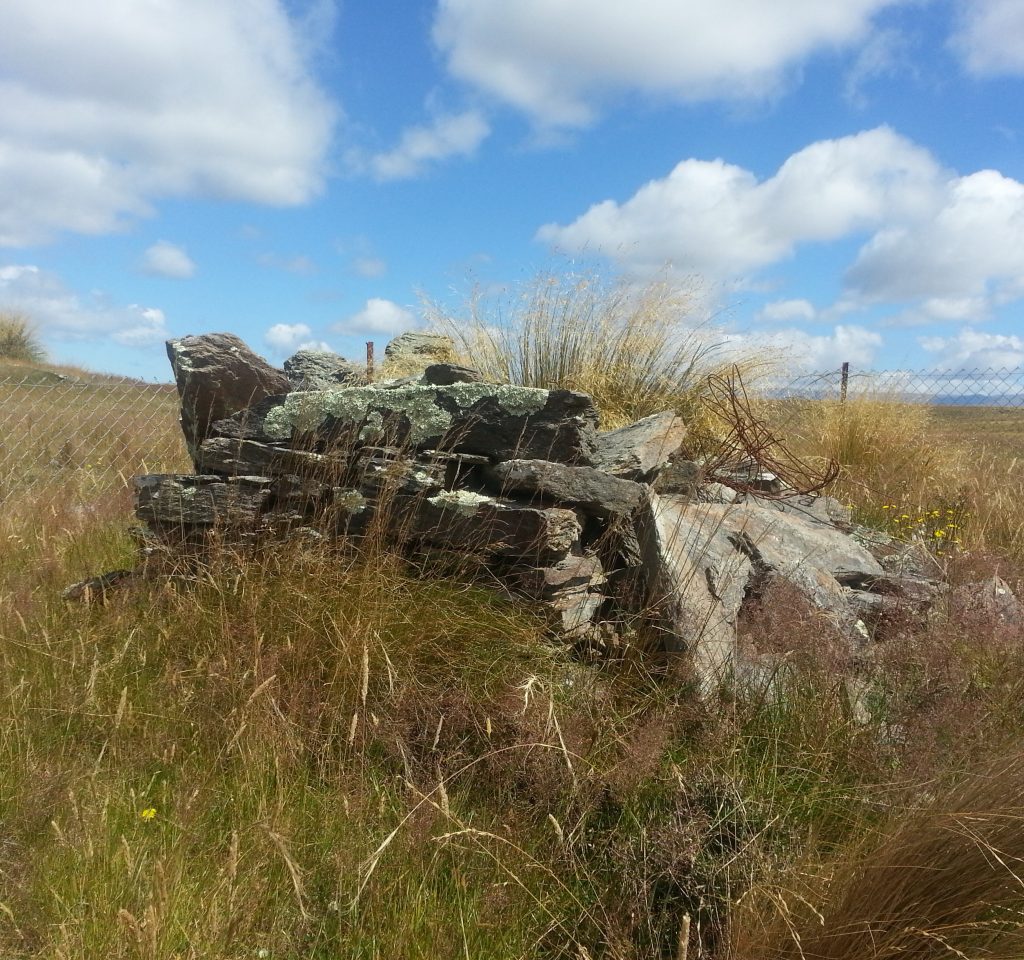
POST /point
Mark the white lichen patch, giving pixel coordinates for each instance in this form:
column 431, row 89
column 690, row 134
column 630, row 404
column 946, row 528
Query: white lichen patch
column 304, row 410
column 465, row 502
column 351, row 501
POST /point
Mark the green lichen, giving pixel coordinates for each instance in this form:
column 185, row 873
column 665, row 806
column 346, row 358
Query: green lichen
column 304, row 411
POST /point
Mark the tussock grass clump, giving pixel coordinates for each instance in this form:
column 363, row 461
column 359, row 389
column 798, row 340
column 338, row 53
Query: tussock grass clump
column 635, row 350
column 18, row 339
column 940, row 878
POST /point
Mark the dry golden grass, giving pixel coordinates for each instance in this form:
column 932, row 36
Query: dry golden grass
column 636, row 351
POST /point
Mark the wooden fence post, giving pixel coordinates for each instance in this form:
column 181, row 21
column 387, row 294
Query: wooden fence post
column 369, row 361
column 844, row 382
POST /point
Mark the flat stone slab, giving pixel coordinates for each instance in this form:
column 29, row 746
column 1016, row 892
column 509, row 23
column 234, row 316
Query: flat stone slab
column 250, row 458
column 596, row 493
column 500, row 422
column 470, row 521
column 184, row 502
column 640, row 450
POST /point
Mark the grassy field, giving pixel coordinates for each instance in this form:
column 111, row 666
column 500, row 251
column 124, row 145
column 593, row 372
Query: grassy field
column 306, row 754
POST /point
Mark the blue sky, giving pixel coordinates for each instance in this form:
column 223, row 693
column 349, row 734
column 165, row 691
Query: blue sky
column 844, row 181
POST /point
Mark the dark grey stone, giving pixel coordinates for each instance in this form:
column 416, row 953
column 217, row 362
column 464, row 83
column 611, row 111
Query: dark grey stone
column 445, row 374
column 416, row 344
column 596, row 493
column 681, row 478
column 218, row 375
column 166, row 501
column 322, row 370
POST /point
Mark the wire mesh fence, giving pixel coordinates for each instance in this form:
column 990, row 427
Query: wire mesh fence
column 94, row 435
column 88, row 435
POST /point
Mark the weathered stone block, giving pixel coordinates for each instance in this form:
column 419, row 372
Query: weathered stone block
column 596, row 493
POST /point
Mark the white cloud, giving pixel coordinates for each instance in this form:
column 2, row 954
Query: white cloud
column 106, row 108
column 989, row 38
column 370, row 267
column 717, row 219
column 970, row 349
column 806, row 352
column 972, row 243
column 947, row 247
column 287, row 337
column 448, row 135
column 378, row 316
column 164, row 259
column 63, row 315
column 787, row 311
column 555, row 59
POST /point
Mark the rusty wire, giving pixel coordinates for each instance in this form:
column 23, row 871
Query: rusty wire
column 750, row 448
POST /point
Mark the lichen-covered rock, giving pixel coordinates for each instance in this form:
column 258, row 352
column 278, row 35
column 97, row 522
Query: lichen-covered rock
column 414, row 344
column 218, row 375
column 500, row 422
column 182, row 503
column 322, row 370
column 640, row 450
column 595, row 493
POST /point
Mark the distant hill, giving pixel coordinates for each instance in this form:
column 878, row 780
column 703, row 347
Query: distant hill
column 39, row 374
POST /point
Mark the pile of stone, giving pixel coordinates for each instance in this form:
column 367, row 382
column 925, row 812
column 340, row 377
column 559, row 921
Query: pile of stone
column 595, row 525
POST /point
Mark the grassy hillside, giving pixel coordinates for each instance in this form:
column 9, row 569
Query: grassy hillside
column 310, row 754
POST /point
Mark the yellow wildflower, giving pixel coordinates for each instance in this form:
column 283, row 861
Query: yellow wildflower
column 148, row 814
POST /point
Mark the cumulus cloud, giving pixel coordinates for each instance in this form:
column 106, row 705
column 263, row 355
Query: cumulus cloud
column 807, row 352
column 989, row 37
column 972, row 349
column 719, row 220
column 972, row 242
column 787, row 311
column 106, row 108
column 555, row 59
column 947, row 247
column 63, row 315
column 448, row 135
column 378, row 316
column 285, row 338
column 167, row 260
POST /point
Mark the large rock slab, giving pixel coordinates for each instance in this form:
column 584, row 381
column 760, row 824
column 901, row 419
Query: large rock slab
column 696, row 580
column 419, row 346
column 640, row 450
column 249, row 458
column 700, row 561
column 461, row 519
column 500, row 422
column 166, row 501
column 322, row 370
column 596, row 493
column 218, row 375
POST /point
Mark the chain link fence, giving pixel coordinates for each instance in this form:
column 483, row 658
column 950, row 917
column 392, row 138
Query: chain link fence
column 94, row 435
column 88, row 436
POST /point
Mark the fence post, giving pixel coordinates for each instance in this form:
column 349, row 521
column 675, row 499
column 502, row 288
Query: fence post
column 844, row 381
column 369, row 360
